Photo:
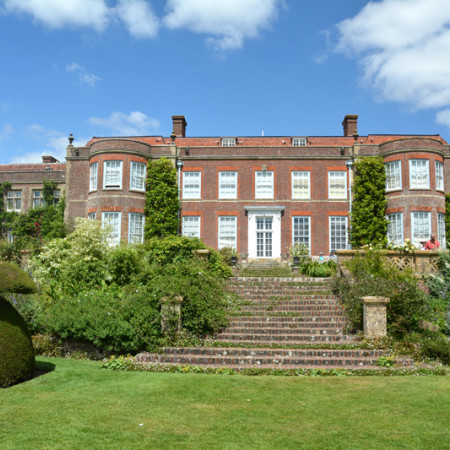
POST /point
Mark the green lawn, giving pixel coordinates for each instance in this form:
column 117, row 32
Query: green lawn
column 78, row 405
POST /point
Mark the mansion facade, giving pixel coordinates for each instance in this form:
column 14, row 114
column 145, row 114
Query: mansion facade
column 256, row 194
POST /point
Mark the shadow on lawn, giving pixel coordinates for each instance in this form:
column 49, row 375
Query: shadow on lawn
column 42, row 368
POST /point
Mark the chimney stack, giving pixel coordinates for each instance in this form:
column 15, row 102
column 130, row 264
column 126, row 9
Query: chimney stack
column 47, row 159
column 179, row 126
column 350, row 124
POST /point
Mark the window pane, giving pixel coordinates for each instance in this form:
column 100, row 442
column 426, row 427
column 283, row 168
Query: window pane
column 337, row 184
column 227, row 232
column 228, row 185
column 441, row 230
column 228, row 142
column 395, row 228
column 419, row 178
column 301, row 230
column 191, row 226
column 420, row 228
column 93, row 176
column 113, row 220
column 113, row 174
column 299, row 142
column 136, row 228
column 263, row 184
column 38, row 199
column 338, row 233
column 137, row 177
column 439, row 176
column 300, row 185
column 192, row 185
column 13, row 200
column 393, row 175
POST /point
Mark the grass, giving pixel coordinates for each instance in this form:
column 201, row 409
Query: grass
column 78, row 405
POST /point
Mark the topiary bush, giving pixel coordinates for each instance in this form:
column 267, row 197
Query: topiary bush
column 16, row 348
column 13, row 279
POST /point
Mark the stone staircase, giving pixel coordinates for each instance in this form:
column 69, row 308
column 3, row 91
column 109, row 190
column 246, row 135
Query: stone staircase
column 278, row 317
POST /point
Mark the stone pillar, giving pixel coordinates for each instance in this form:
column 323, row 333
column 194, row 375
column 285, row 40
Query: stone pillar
column 375, row 316
column 203, row 253
column 171, row 315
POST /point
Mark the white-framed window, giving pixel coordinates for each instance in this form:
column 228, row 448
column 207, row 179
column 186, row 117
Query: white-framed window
column 228, row 185
column 228, row 231
column 56, row 196
column 192, row 184
column 420, row 227
column 112, row 219
column 395, row 228
column 191, row 226
column 228, row 142
column 137, row 176
column 38, row 199
column 263, row 184
column 9, row 236
column 136, row 223
column 112, row 175
column 419, row 172
column 337, row 185
column 301, row 230
column 92, row 216
column 441, row 230
column 299, row 141
column 93, row 172
column 338, row 233
column 13, row 200
column 439, row 176
column 393, row 175
column 301, row 187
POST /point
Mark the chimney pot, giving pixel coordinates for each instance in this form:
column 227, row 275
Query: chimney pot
column 179, row 126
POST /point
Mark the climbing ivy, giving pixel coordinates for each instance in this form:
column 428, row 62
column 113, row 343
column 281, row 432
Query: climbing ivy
column 447, row 218
column 368, row 220
column 161, row 203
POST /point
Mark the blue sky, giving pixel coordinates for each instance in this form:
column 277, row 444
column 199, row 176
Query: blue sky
column 232, row 67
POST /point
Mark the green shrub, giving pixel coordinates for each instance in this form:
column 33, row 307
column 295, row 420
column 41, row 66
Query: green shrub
column 13, row 279
column 318, row 269
column 124, row 263
column 16, row 348
column 371, row 274
column 436, row 346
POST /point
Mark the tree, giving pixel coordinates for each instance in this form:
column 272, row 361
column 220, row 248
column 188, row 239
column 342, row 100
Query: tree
column 368, row 220
column 161, row 203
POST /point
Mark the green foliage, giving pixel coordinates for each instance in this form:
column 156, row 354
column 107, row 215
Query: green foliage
column 368, row 220
column 16, row 348
column 124, row 263
column 371, row 274
column 161, row 201
column 447, row 217
column 436, row 346
column 171, row 249
column 299, row 250
column 318, row 269
column 275, row 272
column 14, row 279
column 386, row 361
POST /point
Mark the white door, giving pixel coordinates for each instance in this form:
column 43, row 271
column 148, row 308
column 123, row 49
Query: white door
column 264, row 232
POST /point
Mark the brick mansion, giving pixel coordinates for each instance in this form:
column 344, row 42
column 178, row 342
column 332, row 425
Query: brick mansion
column 256, row 194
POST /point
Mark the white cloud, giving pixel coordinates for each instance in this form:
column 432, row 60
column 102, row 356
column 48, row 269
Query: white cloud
column 6, row 131
column 138, row 17
column 443, row 117
column 85, row 78
column 227, row 23
column 134, row 124
column 403, row 49
column 62, row 13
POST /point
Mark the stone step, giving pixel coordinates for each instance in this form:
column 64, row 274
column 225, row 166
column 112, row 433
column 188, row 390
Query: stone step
column 245, row 321
column 279, row 328
column 283, row 338
column 292, row 301
column 293, row 307
column 275, row 331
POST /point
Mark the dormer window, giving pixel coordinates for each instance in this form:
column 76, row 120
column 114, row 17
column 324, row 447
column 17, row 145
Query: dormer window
column 299, row 141
column 228, row 142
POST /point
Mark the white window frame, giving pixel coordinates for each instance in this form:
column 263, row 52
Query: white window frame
column 192, row 185
column 301, row 235
column 264, row 181
column 303, row 188
column 228, row 142
column 138, row 172
column 344, row 245
column 299, row 142
column 227, row 232
column 419, row 174
column 136, row 224
column 191, row 226
column 441, row 237
column 92, row 216
column 14, row 200
column 228, row 182
column 38, row 199
column 422, row 234
column 116, row 216
column 93, row 176
column 113, row 167
column 395, row 228
column 439, row 172
column 335, row 178
column 393, row 175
